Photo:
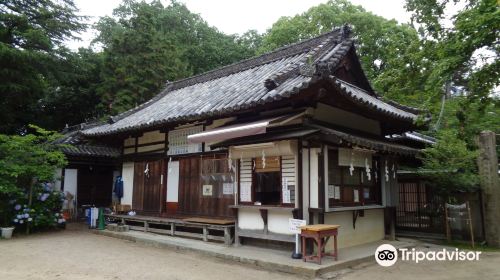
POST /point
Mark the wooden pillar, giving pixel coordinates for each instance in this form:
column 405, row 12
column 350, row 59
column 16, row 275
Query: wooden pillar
column 227, row 236
column 205, row 233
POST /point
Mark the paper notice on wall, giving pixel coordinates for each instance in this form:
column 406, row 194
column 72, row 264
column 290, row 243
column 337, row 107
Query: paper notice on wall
column 286, row 196
column 337, row 192
column 207, row 190
column 246, row 192
column 227, row 188
column 366, row 193
column 333, row 191
column 356, row 196
column 285, row 191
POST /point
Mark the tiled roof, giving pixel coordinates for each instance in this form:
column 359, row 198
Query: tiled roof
column 362, row 97
column 77, row 146
column 244, row 85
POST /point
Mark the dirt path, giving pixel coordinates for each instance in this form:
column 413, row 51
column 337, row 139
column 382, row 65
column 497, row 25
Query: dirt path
column 488, row 267
column 77, row 254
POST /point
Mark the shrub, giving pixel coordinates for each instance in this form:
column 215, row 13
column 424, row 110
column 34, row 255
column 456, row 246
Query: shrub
column 26, row 160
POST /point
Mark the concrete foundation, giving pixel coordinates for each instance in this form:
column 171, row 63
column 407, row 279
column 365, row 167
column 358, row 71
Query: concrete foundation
column 263, row 258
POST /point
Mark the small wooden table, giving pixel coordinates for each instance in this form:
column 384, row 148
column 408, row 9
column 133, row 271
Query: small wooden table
column 320, row 234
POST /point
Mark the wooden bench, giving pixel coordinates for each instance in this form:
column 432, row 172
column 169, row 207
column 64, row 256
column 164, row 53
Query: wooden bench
column 177, row 226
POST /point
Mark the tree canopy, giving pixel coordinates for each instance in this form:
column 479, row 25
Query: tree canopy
column 32, row 36
column 389, row 52
column 144, row 45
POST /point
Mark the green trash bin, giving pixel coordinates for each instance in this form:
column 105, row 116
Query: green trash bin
column 101, row 225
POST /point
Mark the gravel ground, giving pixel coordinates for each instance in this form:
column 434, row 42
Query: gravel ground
column 76, row 253
column 488, row 267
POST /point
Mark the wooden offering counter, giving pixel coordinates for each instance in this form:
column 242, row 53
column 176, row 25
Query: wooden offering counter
column 320, row 234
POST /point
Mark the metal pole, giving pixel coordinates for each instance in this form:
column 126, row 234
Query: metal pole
column 296, row 254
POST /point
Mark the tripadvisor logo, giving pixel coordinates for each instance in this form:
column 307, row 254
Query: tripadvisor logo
column 387, row 255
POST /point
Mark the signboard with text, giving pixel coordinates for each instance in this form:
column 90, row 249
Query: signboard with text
column 295, row 224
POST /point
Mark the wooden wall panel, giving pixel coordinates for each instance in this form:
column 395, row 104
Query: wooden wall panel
column 191, row 199
column 153, row 187
column 147, row 192
column 138, row 192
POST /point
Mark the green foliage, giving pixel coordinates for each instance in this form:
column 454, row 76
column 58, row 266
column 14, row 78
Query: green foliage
column 25, row 159
column 147, row 44
column 389, row 52
column 72, row 96
column 450, row 163
column 464, row 46
column 31, row 46
column 45, row 209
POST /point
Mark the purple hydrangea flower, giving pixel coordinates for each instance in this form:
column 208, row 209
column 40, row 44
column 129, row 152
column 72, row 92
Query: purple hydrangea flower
column 44, row 196
column 17, row 207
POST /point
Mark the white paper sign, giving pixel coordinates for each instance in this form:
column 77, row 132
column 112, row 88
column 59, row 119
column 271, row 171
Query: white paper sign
column 331, row 191
column 286, row 196
column 356, row 196
column 207, row 190
column 295, row 224
column 227, row 188
column 246, row 192
column 337, row 192
column 286, row 191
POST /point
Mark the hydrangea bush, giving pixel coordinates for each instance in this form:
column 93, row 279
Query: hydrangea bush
column 45, row 210
column 26, row 160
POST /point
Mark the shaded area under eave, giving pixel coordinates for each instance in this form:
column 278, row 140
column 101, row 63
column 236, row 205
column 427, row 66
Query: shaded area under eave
column 322, row 133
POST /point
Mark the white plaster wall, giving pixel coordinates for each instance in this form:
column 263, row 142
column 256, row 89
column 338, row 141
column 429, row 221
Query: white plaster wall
column 128, row 182
column 250, row 219
column 369, row 228
column 305, row 184
column 57, row 177
column 314, row 178
column 277, row 221
column 173, row 181
column 70, row 181
column 151, row 136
